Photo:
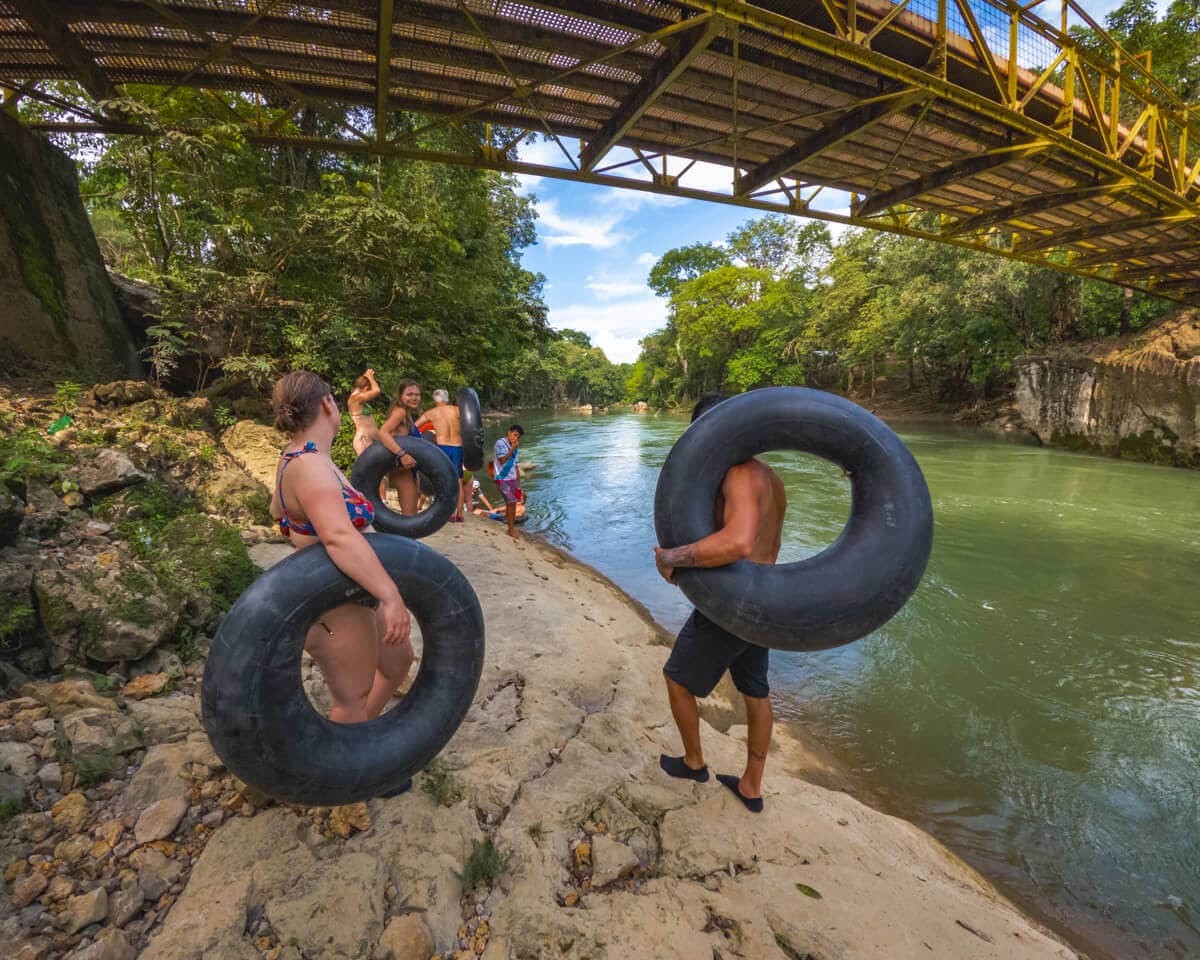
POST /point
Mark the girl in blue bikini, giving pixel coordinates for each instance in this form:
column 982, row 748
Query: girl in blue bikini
column 363, row 653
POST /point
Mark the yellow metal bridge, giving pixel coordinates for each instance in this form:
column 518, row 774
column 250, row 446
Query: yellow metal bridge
column 973, row 122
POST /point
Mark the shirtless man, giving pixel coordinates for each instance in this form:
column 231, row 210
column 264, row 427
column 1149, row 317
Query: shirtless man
column 749, row 515
column 444, row 420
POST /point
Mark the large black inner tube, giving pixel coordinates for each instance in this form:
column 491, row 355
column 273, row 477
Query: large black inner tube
column 853, row 586
column 376, row 462
column 471, row 423
column 260, row 720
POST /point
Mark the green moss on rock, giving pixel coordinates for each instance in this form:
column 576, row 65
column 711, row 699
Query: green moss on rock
column 1149, row 447
column 30, row 238
column 208, row 562
column 143, row 510
column 1078, row 442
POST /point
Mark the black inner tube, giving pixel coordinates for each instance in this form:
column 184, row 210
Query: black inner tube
column 853, row 586
column 376, row 462
column 260, row 720
column 471, row 424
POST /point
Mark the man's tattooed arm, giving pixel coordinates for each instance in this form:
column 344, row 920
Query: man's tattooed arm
column 684, row 556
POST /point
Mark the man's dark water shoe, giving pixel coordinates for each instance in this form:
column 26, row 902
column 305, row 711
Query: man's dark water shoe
column 675, row 767
column 753, row 804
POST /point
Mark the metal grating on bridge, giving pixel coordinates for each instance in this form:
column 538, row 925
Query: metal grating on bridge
column 968, row 121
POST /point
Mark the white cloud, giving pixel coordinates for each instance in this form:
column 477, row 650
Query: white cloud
column 704, row 176
column 545, row 153
column 646, row 260
column 633, row 200
column 615, row 289
column 527, row 182
column 614, row 327
column 598, row 232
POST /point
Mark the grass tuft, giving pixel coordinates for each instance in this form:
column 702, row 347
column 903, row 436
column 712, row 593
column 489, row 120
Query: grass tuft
column 485, row 864
column 94, row 769
column 440, row 785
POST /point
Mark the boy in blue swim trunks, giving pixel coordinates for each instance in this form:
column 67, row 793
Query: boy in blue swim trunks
column 444, row 420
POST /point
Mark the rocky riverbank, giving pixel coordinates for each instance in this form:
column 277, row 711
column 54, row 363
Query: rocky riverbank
column 1137, row 399
column 544, row 830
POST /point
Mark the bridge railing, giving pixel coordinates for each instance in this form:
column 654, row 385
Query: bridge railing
column 1105, row 96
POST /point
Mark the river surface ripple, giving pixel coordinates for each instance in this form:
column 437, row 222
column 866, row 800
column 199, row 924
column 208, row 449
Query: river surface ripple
column 1036, row 704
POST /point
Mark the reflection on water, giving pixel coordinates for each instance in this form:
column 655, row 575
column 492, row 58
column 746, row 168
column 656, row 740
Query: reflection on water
column 1035, row 705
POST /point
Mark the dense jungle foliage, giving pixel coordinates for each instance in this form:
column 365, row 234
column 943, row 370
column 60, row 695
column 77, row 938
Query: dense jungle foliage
column 277, row 258
column 780, row 303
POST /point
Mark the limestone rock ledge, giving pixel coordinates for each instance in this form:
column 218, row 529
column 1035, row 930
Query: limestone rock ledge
column 558, row 763
column 1137, row 401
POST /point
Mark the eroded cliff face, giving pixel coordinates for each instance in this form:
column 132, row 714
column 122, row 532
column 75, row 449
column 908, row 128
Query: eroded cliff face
column 1139, row 400
column 57, row 308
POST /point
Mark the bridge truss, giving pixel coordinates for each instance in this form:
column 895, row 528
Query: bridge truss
column 972, row 122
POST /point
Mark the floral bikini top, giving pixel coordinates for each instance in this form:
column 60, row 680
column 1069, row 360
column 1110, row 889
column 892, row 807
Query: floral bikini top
column 357, row 506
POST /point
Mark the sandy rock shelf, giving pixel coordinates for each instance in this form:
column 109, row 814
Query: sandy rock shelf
column 558, row 761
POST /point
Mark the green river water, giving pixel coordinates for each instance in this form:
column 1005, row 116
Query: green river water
column 1035, row 706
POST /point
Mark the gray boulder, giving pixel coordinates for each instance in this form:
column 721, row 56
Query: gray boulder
column 12, row 788
column 100, row 734
column 167, row 721
column 106, row 471
column 106, row 607
column 122, row 392
column 18, row 759
column 45, row 513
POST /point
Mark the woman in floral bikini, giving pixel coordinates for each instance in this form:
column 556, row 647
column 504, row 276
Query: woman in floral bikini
column 401, row 419
column 363, row 653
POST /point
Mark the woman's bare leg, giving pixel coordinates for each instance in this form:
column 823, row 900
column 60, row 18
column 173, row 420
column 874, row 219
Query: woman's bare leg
column 344, row 643
column 392, row 668
column 405, row 485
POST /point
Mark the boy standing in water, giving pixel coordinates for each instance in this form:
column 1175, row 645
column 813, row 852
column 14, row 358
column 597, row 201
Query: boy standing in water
column 749, row 518
column 445, row 422
column 507, row 474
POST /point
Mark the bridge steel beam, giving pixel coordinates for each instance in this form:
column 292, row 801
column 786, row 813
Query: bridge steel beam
column 918, row 78
column 1094, row 231
column 739, row 85
column 668, row 69
column 383, row 67
column 1039, row 203
column 67, row 48
column 962, row 169
column 853, row 121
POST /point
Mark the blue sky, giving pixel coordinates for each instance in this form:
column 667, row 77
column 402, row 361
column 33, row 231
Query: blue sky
column 597, row 244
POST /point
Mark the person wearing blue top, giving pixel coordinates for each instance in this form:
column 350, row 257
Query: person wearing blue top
column 507, row 474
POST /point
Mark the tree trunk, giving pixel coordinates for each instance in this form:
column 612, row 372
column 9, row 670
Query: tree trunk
column 1126, row 304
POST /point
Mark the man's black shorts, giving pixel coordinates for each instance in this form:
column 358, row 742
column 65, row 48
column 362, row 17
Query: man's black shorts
column 703, row 652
